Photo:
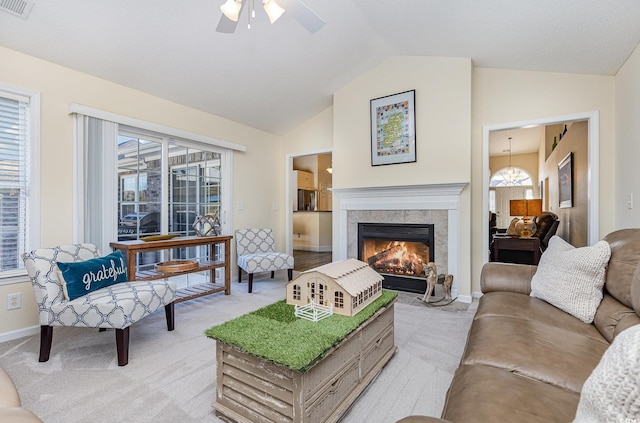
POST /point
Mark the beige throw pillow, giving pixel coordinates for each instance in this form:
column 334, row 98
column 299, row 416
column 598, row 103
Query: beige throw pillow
column 612, row 392
column 572, row 278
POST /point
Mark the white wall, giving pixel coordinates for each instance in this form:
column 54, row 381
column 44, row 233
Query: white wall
column 627, row 149
column 258, row 179
column 503, row 96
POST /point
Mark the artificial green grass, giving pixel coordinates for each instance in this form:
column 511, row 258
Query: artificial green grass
column 275, row 334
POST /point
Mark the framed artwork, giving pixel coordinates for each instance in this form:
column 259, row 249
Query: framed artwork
column 393, row 129
column 565, row 181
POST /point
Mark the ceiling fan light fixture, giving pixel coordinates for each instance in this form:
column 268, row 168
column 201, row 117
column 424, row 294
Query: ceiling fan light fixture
column 273, row 9
column 231, row 9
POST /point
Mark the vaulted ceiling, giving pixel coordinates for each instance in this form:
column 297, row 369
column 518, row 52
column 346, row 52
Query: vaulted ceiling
column 274, row 77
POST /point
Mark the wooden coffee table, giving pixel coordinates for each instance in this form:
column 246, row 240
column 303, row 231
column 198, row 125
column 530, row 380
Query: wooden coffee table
column 251, row 389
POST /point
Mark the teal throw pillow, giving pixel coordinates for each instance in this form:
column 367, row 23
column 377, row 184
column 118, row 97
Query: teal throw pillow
column 82, row 277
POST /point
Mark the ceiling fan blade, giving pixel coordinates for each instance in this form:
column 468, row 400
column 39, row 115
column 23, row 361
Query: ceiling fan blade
column 226, row 25
column 303, row 14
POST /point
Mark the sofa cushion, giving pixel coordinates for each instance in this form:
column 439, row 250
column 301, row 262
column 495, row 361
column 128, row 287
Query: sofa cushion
column 550, row 354
column 82, row 277
column 612, row 391
column 525, row 307
column 488, row 394
column 572, row 278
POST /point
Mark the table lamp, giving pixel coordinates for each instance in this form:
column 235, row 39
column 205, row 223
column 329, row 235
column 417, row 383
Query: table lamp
column 525, row 208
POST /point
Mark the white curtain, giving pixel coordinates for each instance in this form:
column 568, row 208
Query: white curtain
column 95, row 182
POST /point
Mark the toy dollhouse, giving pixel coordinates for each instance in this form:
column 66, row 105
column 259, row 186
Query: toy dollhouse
column 349, row 285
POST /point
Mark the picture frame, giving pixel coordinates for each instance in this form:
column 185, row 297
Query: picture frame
column 393, row 129
column 565, row 181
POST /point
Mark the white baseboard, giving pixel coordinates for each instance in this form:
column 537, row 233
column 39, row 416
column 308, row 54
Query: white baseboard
column 477, row 294
column 464, row 298
column 20, row 333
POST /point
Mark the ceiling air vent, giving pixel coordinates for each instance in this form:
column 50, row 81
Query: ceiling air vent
column 18, row 8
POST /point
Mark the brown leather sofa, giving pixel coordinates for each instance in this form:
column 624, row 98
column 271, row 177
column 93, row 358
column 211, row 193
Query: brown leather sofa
column 11, row 410
column 525, row 360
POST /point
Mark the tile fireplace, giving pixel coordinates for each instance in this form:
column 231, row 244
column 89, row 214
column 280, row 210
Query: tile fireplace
column 397, row 251
column 435, row 204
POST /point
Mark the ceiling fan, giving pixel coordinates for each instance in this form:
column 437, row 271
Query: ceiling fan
column 232, row 9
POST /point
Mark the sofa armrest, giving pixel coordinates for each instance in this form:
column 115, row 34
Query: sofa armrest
column 17, row 415
column 507, row 277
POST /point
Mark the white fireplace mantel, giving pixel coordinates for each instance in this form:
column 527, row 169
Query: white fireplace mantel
column 405, row 197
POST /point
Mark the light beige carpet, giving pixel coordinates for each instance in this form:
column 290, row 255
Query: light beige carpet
column 171, row 375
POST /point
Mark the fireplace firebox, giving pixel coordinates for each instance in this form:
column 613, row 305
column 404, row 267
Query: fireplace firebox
column 397, row 250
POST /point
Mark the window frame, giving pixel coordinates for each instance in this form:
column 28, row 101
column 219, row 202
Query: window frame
column 33, row 218
column 80, row 111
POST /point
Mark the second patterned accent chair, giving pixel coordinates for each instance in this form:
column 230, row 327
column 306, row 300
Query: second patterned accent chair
column 113, row 307
column 256, row 253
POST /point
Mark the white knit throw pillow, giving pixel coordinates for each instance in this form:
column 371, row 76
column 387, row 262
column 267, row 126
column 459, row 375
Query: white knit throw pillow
column 612, row 391
column 572, row 278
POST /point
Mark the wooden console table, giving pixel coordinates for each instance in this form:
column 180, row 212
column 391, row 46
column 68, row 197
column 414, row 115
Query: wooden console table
column 131, row 248
column 516, row 250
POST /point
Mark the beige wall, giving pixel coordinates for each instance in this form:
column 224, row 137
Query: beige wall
column 311, row 136
column 314, row 229
column 627, row 148
column 501, row 96
column 573, row 220
column 255, row 181
column 443, row 125
column 443, row 110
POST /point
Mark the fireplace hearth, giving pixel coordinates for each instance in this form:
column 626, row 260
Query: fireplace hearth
column 397, row 251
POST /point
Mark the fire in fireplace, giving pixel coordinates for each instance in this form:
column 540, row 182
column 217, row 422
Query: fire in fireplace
column 397, row 250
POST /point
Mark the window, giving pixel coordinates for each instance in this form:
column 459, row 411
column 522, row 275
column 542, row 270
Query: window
column 19, row 166
column 118, row 163
column 136, row 178
column 297, row 292
column 312, row 290
column 510, row 177
column 339, row 299
column 192, row 178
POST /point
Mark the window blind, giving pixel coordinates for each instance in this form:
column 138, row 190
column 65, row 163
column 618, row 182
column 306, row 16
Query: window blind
column 14, row 180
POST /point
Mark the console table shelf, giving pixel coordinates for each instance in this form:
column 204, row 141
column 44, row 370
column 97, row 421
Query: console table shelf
column 131, row 248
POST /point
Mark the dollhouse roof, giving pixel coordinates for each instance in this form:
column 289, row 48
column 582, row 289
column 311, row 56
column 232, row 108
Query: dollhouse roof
column 354, row 276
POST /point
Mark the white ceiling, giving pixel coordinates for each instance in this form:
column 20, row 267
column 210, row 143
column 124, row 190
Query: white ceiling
column 274, row 77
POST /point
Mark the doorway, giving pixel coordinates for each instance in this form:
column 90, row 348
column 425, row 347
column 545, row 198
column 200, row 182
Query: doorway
column 592, row 164
column 309, row 209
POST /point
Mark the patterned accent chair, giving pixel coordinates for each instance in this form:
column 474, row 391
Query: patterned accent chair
column 256, row 253
column 114, row 307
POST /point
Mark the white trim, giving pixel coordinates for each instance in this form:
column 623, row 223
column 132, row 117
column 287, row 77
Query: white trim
column 407, row 197
column 593, row 191
column 34, row 221
column 464, row 299
column 150, row 126
column 19, row 333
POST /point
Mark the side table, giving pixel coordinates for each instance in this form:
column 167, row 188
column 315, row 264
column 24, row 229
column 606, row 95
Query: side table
column 516, row 250
column 131, row 248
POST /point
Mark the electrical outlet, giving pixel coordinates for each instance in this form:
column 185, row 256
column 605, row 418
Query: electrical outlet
column 14, row 301
column 298, row 234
